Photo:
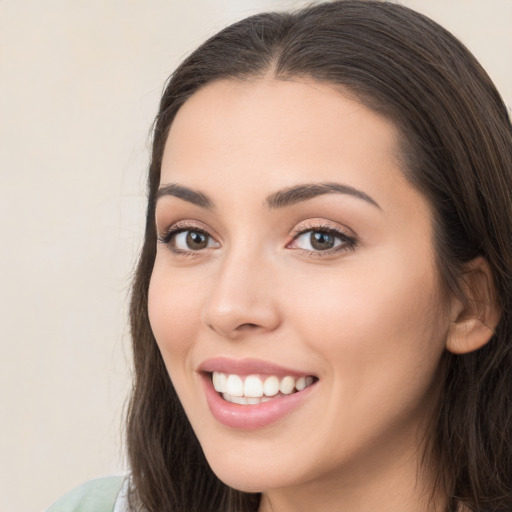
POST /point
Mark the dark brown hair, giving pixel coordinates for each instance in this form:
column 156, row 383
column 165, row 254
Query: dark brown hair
column 457, row 152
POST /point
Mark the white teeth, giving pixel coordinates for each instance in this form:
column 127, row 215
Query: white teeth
column 234, row 385
column 252, row 390
column 271, row 386
column 219, row 381
column 300, row 384
column 241, row 400
column 253, row 387
column 287, row 385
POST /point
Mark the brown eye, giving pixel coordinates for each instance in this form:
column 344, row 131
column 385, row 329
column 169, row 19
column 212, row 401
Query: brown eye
column 196, row 241
column 321, row 241
column 190, row 240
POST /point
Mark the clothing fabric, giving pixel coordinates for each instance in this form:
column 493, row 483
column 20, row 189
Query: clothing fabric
column 108, row 494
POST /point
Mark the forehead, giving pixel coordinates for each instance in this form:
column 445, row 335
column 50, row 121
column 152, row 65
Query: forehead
column 270, row 133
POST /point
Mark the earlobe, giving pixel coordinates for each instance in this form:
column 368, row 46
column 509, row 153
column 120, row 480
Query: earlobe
column 468, row 335
column 474, row 321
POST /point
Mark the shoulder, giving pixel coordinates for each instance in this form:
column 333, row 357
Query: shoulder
column 99, row 495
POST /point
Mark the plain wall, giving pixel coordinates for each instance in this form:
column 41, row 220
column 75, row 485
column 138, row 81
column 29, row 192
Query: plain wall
column 79, row 86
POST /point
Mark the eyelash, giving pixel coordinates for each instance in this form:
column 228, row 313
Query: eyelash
column 168, row 238
column 348, row 242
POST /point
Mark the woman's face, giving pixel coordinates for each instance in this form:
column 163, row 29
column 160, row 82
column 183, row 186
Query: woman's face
column 295, row 256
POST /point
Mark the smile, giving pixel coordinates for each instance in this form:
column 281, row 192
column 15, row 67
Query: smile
column 256, row 389
column 250, row 393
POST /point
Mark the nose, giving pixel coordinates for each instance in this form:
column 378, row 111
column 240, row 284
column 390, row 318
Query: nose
column 242, row 299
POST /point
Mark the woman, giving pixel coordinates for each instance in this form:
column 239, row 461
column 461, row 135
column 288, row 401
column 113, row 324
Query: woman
column 321, row 313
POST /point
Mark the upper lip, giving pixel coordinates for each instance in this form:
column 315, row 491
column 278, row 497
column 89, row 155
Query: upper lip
column 248, row 366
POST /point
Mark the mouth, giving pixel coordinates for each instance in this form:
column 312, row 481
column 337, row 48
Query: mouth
column 256, row 388
column 251, row 393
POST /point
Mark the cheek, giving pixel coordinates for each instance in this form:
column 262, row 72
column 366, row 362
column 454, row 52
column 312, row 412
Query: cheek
column 378, row 327
column 174, row 308
column 379, row 337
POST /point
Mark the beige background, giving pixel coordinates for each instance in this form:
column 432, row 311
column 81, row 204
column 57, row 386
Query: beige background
column 79, row 85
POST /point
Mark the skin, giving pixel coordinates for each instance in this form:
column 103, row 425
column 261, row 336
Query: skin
column 369, row 321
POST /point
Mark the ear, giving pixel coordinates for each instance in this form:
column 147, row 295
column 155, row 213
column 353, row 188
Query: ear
column 473, row 321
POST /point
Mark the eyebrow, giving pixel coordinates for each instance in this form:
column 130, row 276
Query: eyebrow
column 280, row 199
column 301, row 193
column 187, row 194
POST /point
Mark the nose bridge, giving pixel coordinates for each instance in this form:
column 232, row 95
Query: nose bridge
column 241, row 297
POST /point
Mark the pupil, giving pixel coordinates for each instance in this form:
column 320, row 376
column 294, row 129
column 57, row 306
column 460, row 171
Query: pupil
column 196, row 240
column 321, row 240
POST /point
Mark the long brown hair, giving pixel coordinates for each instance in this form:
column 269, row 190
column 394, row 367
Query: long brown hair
column 458, row 153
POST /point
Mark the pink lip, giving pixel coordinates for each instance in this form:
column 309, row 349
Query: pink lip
column 247, row 367
column 249, row 416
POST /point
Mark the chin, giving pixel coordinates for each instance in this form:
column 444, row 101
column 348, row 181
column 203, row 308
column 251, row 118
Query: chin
column 252, row 473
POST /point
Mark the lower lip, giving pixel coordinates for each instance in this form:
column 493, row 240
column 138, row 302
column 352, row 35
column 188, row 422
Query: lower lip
column 250, row 417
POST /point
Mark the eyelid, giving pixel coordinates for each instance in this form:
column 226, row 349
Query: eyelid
column 183, row 225
column 348, row 238
column 320, row 224
column 168, row 235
